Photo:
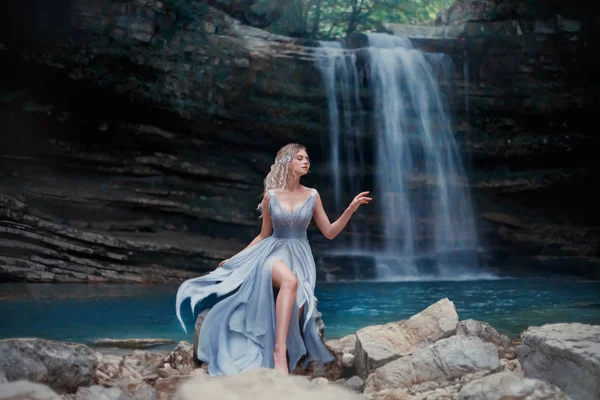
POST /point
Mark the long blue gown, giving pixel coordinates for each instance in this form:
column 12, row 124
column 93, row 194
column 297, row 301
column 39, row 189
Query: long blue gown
column 238, row 333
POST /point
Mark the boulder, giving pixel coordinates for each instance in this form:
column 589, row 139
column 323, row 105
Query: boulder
column 464, row 11
column 27, row 391
column 343, row 345
column 356, row 383
column 445, row 360
column 181, row 358
column 566, row 355
column 166, row 387
column 139, row 390
column 63, row 366
column 506, row 385
column 133, row 367
column 391, row 394
column 513, row 366
column 97, row 392
column 487, row 333
column 378, row 345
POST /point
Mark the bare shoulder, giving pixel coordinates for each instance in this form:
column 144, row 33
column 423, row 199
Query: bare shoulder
column 311, row 191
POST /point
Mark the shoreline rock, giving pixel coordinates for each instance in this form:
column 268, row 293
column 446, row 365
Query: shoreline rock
column 442, row 358
column 380, row 344
column 508, row 385
column 567, row 355
column 460, row 355
column 61, row 365
column 131, row 343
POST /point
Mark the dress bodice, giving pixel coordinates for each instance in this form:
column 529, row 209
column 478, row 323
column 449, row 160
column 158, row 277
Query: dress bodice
column 288, row 224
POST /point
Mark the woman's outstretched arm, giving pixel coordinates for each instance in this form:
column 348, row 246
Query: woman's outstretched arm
column 267, row 227
column 331, row 230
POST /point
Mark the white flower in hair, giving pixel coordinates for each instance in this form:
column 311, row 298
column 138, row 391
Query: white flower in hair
column 284, row 159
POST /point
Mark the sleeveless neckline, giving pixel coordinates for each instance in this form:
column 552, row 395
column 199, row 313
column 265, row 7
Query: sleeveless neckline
column 312, row 191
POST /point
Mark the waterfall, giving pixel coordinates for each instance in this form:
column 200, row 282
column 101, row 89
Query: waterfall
column 395, row 98
column 346, row 127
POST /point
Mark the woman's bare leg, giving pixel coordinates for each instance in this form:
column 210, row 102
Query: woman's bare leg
column 286, row 281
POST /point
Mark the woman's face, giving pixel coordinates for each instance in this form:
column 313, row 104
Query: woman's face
column 300, row 163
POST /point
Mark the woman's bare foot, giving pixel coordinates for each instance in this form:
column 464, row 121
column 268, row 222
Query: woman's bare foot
column 280, row 359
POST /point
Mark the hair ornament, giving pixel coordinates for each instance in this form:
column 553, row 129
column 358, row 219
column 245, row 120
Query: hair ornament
column 283, row 160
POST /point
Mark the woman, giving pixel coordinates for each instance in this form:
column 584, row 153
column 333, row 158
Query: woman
column 251, row 328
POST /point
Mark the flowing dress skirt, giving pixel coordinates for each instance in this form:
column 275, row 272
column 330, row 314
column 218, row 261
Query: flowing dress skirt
column 238, row 333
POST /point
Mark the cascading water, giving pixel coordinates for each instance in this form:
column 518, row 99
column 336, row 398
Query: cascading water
column 394, row 101
column 346, row 146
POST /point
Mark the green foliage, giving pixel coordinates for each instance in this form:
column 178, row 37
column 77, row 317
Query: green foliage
column 329, row 19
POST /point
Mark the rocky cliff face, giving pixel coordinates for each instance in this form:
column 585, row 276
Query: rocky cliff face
column 135, row 137
column 528, row 128
column 136, row 134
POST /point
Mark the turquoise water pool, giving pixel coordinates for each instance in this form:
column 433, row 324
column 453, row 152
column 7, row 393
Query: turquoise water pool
column 84, row 313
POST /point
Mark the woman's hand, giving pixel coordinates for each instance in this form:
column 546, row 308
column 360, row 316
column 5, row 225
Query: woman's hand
column 222, row 262
column 359, row 200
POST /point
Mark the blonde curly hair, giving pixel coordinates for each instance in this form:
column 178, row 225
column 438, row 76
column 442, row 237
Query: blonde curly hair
column 278, row 177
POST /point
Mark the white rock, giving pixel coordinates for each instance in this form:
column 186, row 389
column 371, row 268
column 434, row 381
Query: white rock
column 102, row 378
column 167, row 386
column 26, row 390
column 182, row 358
column 198, row 372
column 425, row 386
column 566, row 355
column 100, row 393
column 451, row 389
column 392, row 394
column 506, row 385
column 355, row 383
column 447, row 359
column 512, row 366
column 485, row 332
column 348, row 360
column 263, row 384
column 346, row 344
column 378, row 345
column 143, row 391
